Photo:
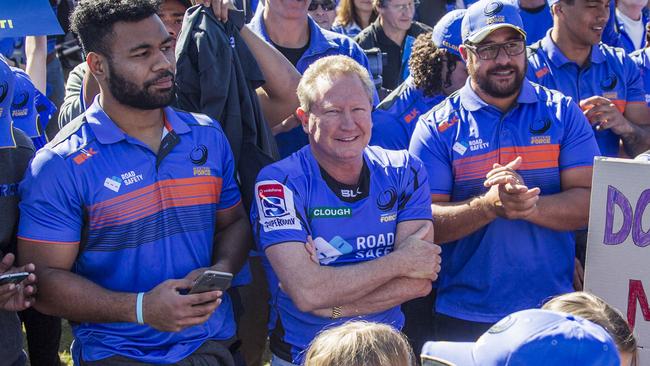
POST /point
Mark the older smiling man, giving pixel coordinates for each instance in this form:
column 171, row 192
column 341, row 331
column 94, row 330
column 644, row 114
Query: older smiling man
column 366, row 209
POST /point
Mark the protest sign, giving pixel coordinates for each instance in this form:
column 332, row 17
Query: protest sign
column 618, row 244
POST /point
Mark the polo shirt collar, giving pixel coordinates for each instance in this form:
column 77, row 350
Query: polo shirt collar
column 7, row 139
column 558, row 58
column 318, row 43
column 472, row 102
column 107, row 132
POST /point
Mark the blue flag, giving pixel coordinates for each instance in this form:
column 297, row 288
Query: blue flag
column 20, row 18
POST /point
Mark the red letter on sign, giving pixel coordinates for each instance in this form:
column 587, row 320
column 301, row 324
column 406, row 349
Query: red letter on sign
column 636, row 292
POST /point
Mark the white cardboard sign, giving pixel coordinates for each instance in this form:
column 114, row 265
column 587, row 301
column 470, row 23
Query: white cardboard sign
column 618, row 244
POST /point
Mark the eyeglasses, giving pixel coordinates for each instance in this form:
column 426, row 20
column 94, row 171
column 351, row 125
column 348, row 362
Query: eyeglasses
column 491, row 51
column 326, row 5
column 404, row 7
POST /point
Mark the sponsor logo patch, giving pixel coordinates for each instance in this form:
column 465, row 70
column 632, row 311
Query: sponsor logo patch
column 113, row 183
column 275, row 206
column 84, row 155
column 131, row 177
column 478, row 144
column 446, row 124
column 388, row 217
column 460, row 148
column 540, row 140
column 201, row 171
column 330, row 212
column 329, row 251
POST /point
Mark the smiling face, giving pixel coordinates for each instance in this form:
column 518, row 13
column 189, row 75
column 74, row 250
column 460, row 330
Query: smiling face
column 502, row 76
column 583, row 20
column 288, row 9
column 338, row 122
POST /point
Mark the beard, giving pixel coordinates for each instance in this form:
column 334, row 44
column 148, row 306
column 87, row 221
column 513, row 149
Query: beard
column 494, row 89
column 132, row 95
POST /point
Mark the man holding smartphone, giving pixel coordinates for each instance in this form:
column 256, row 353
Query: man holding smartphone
column 15, row 151
column 133, row 201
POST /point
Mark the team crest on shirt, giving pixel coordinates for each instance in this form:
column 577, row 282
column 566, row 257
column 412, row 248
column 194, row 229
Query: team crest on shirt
column 275, row 206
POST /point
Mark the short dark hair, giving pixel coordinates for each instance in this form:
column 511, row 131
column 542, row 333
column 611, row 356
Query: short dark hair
column 425, row 65
column 93, row 20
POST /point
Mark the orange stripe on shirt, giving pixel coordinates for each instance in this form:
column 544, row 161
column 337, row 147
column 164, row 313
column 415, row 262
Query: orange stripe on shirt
column 161, row 197
column 48, row 241
column 533, row 157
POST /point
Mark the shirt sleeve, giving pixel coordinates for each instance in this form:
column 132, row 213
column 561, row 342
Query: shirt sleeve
column 414, row 201
column 230, row 195
column 51, row 206
column 634, row 82
column 431, row 150
column 579, row 145
column 278, row 214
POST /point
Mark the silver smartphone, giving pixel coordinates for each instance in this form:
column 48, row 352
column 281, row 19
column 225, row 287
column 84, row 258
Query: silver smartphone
column 211, row 281
column 17, row 277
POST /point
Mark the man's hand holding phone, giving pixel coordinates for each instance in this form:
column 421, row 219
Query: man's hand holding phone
column 17, row 285
column 165, row 308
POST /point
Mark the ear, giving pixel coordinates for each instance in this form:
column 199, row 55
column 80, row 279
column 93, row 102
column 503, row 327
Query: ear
column 97, row 65
column 303, row 117
column 464, row 53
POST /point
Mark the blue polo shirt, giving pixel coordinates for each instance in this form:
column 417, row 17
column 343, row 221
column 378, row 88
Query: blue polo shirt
column 642, row 59
column 393, row 121
column 625, row 40
column 294, row 199
column 507, row 265
column 139, row 218
column 322, row 43
column 610, row 73
column 536, row 22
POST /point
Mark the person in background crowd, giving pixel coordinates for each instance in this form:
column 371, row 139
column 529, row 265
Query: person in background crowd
column 352, row 16
column 359, row 343
column 437, row 70
column 187, row 217
column 631, row 21
column 323, row 12
column 16, row 150
column 364, row 212
column 512, row 163
column 287, row 26
column 532, row 338
column 393, row 33
column 430, row 12
column 31, row 110
column 603, row 79
column 596, row 310
column 537, row 18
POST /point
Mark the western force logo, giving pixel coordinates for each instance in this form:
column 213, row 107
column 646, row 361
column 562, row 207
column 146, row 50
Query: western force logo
column 113, row 183
column 493, row 8
column 20, row 100
column 539, row 127
column 609, row 83
column 386, row 200
column 199, row 155
column 4, row 90
column 275, row 206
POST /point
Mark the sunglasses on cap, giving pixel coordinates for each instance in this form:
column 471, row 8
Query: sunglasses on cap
column 326, row 5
